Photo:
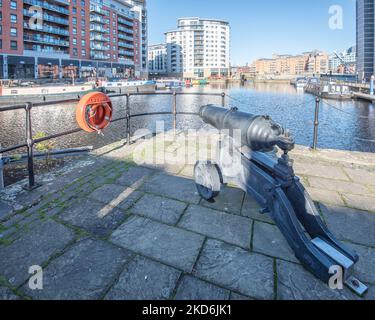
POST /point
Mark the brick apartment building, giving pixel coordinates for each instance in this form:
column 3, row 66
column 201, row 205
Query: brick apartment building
column 52, row 39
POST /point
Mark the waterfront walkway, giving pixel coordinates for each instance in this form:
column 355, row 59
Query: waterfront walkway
column 106, row 228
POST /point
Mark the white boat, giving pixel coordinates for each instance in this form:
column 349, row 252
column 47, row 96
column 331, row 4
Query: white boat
column 127, row 84
column 300, row 83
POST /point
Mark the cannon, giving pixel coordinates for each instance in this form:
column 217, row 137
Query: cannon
column 246, row 156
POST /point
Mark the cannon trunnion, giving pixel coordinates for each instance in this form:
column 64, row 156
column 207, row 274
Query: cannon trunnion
column 245, row 156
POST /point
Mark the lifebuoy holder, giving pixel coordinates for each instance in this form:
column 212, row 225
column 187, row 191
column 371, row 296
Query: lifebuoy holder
column 94, row 112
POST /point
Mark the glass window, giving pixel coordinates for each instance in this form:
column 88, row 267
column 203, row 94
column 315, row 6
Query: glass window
column 13, row 32
column 1, row 44
column 74, row 30
column 74, row 10
column 82, row 3
column 74, row 41
column 13, row 5
column 83, row 43
column 13, row 45
column 75, row 52
column 82, row 13
column 83, row 52
column 13, row 18
column 74, row 21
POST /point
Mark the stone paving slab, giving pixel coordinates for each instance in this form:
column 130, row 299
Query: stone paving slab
column 361, row 176
column 94, row 217
column 5, row 210
column 366, row 203
column 144, row 279
column 326, row 197
column 216, row 224
column 159, row 208
column 351, row 225
column 247, row 273
column 176, row 247
column 173, row 187
column 339, row 186
column 296, row 283
column 268, row 239
column 34, row 248
column 251, row 209
column 229, row 200
column 84, row 272
column 321, row 171
column 135, row 175
column 191, row 288
column 7, row 294
column 365, row 268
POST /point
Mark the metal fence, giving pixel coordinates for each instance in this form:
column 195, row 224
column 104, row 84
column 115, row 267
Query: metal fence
column 30, row 141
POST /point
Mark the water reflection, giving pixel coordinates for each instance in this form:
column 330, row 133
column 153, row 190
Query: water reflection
column 293, row 109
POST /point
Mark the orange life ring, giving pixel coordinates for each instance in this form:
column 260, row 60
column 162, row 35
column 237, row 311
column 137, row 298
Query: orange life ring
column 94, row 112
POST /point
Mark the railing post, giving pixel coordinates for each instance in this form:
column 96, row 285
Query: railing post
column 316, row 123
column 30, row 145
column 223, row 99
column 2, row 185
column 127, row 118
column 174, row 112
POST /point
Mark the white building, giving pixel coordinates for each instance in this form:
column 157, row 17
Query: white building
column 157, row 60
column 348, row 57
column 199, row 48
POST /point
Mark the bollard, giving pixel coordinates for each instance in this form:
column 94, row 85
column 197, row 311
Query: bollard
column 127, row 118
column 316, row 123
column 2, row 185
column 223, row 99
column 30, row 145
column 174, row 112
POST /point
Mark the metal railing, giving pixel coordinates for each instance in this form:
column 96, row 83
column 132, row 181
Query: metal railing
column 30, row 141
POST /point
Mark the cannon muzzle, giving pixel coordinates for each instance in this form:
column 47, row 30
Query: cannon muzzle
column 259, row 133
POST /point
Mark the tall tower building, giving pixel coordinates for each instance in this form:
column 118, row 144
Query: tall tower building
column 199, row 48
column 365, row 38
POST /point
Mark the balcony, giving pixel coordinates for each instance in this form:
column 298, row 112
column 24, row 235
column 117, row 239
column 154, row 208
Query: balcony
column 125, row 45
column 46, row 29
column 126, row 30
column 125, row 22
column 126, row 53
column 45, row 40
column 98, row 19
column 123, row 37
column 98, row 37
column 97, row 9
column 47, row 17
column 98, row 47
column 99, row 56
column 96, row 28
column 48, row 6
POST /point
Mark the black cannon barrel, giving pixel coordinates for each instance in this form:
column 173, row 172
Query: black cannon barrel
column 259, row 133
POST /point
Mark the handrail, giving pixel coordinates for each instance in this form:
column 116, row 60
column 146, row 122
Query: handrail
column 30, row 141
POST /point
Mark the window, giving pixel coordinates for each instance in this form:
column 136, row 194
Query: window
column 74, row 10
column 74, row 21
column 75, row 52
column 83, row 33
column 83, row 43
column 1, row 44
column 13, row 18
column 82, row 13
column 83, row 23
column 13, row 45
column 83, row 52
column 1, row 29
column 74, row 41
column 74, row 30
column 82, row 3
column 13, row 32
column 13, row 5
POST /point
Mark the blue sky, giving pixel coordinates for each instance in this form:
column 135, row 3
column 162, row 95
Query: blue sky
column 260, row 28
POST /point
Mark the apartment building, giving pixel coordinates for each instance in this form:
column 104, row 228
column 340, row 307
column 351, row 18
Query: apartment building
column 307, row 63
column 157, row 60
column 54, row 39
column 198, row 48
column 365, row 39
column 343, row 61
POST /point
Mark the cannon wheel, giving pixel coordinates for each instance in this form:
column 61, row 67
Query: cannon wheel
column 207, row 179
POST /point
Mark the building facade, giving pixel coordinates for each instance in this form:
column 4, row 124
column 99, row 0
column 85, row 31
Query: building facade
column 308, row 63
column 343, row 62
column 54, row 39
column 157, row 60
column 199, row 48
column 365, row 38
